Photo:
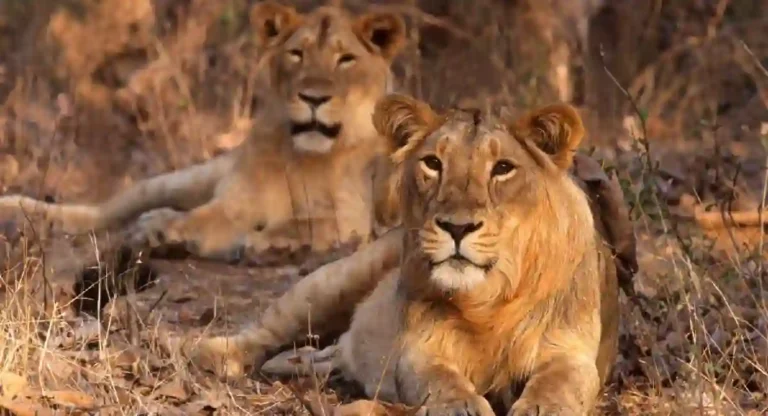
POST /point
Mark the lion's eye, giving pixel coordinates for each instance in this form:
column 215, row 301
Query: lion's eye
column 346, row 59
column 296, row 55
column 502, row 167
column 432, row 163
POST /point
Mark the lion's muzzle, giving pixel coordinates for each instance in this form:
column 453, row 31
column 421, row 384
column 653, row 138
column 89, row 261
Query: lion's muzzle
column 311, row 129
column 328, row 131
column 453, row 261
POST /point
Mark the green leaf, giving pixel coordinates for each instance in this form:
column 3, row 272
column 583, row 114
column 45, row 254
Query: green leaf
column 643, row 115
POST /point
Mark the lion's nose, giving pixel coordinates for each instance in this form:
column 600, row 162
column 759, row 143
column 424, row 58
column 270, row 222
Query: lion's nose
column 458, row 231
column 314, row 100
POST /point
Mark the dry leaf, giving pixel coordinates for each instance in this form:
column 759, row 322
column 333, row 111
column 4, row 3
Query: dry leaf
column 9, row 169
column 199, row 407
column 371, row 408
column 147, row 379
column 11, row 385
column 317, row 403
column 18, row 408
column 71, row 398
column 124, row 358
column 174, row 389
column 57, row 368
column 206, row 317
column 187, row 315
column 215, row 398
column 123, row 396
column 361, row 407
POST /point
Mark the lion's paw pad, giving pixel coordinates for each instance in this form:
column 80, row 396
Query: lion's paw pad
column 476, row 406
column 220, row 355
column 529, row 408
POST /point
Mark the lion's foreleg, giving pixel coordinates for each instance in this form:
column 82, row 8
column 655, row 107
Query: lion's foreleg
column 566, row 384
column 323, row 301
column 218, row 229
column 442, row 389
column 214, row 230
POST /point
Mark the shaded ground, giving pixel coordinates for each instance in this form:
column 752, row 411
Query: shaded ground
column 95, row 95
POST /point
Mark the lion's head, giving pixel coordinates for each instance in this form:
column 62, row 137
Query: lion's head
column 329, row 69
column 488, row 203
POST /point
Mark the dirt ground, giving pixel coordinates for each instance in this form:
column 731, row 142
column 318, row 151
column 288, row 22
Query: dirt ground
column 97, row 94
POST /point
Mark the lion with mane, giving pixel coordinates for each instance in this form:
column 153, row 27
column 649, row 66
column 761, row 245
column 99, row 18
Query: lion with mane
column 499, row 287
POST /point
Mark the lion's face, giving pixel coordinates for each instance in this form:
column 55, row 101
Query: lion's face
column 329, row 69
column 466, row 182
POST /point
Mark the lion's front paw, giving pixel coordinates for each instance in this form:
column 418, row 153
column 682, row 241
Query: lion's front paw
column 473, row 406
column 224, row 356
column 525, row 407
column 155, row 228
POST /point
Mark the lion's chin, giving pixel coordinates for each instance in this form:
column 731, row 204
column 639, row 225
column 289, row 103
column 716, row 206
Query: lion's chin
column 313, row 142
column 456, row 275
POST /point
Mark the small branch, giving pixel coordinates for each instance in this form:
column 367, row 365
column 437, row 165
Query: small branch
column 755, row 59
column 763, row 209
column 714, row 219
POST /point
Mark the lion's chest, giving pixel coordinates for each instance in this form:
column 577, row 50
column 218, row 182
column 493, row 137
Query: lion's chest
column 327, row 207
column 312, row 197
column 491, row 356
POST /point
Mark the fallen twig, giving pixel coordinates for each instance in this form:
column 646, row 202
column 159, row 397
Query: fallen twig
column 717, row 219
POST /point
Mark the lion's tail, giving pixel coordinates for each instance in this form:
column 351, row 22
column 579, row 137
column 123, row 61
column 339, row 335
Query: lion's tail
column 182, row 189
column 322, row 300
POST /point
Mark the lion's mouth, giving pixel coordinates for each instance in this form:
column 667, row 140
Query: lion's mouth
column 330, row 131
column 459, row 261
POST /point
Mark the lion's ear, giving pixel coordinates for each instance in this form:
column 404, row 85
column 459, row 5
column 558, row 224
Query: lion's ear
column 556, row 130
column 385, row 31
column 403, row 120
column 272, row 20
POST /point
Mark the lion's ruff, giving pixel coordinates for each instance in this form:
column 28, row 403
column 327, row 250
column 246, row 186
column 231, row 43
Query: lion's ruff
column 279, row 187
column 552, row 325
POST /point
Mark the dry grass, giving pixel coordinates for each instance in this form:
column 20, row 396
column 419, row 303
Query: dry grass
column 95, row 94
